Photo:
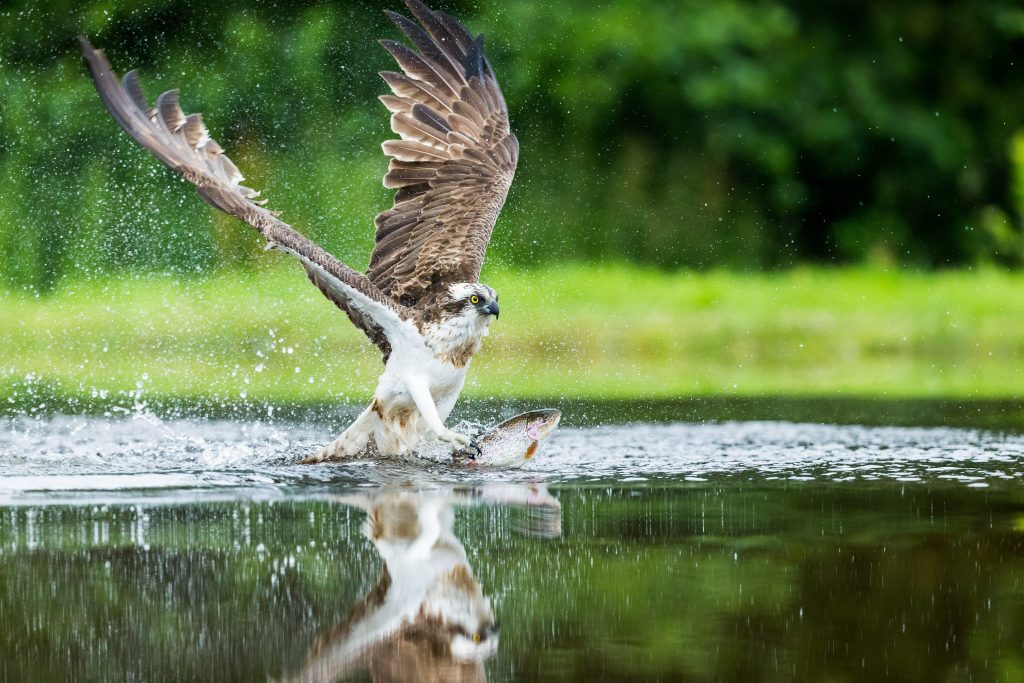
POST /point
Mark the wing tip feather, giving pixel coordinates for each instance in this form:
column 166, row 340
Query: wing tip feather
column 83, row 42
column 474, row 63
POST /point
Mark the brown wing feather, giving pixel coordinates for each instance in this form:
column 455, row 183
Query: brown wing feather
column 453, row 165
column 183, row 144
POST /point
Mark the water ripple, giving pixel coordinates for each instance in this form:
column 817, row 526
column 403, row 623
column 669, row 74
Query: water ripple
column 70, row 457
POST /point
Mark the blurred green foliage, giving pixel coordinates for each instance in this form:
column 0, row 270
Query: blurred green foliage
column 746, row 134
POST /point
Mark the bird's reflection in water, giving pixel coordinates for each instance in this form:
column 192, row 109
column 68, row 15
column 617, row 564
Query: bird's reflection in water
column 427, row 618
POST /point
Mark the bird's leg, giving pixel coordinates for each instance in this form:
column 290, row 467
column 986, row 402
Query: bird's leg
column 420, row 393
column 472, row 450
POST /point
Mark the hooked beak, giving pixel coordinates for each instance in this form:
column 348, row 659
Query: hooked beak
column 492, row 308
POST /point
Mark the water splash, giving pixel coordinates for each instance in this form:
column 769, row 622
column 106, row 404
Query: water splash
column 145, row 455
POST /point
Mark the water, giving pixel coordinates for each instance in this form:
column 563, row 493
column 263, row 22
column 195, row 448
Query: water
column 144, row 549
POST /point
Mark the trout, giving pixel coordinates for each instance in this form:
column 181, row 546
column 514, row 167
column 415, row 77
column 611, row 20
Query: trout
column 511, row 443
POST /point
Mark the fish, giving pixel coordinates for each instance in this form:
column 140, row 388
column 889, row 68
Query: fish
column 510, row 444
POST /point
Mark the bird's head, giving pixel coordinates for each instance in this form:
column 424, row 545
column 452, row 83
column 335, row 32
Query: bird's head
column 458, row 319
column 474, row 300
column 463, row 615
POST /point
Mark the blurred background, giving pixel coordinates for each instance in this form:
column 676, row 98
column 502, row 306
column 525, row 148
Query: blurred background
column 764, row 197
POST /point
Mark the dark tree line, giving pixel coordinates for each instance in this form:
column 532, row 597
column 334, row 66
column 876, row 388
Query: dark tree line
column 743, row 134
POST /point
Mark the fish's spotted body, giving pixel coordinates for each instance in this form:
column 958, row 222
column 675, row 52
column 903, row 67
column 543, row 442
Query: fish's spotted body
column 513, row 442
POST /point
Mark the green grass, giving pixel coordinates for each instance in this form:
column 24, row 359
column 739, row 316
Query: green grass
column 576, row 331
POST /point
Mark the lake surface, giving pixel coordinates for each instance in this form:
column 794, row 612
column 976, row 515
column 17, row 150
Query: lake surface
column 136, row 548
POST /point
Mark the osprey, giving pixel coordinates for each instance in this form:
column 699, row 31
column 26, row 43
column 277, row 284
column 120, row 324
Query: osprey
column 420, row 301
column 427, row 618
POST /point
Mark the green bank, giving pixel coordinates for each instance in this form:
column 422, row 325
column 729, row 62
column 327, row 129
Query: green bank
column 573, row 332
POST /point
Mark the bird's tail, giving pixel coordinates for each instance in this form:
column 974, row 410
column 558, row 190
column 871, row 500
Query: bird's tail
column 353, row 442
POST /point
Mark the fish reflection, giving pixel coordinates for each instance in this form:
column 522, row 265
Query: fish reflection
column 427, row 618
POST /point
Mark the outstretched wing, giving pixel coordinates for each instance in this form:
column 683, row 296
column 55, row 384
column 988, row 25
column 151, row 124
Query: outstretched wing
column 183, row 144
column 452, row 167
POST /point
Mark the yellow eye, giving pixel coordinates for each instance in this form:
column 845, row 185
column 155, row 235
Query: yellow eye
column 476, row 636
column 474, row 299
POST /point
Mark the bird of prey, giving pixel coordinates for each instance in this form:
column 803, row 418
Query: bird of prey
column 427, row 618
column 420, row 301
